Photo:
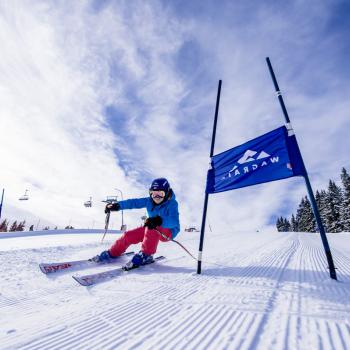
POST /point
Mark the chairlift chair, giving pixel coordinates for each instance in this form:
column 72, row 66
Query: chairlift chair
column 25, row 197
column 111, row 199
column 88, row 204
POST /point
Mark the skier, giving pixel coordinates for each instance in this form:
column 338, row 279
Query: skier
column 162, row 224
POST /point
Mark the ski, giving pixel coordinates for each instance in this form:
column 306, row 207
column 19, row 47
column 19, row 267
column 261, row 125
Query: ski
column 47, row 268
column 89, row 280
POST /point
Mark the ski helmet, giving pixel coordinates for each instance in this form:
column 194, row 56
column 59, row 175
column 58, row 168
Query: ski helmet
column 160, row 184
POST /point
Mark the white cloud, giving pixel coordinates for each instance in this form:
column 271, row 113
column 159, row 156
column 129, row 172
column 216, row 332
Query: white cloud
column 249, row 107
column 54, row 138
column 62, row 64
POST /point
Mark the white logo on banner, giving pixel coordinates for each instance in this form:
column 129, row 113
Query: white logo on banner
column 250, row 159
column 248, row 156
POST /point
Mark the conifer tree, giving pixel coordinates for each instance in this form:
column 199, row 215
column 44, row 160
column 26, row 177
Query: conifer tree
column 345, row 208
column 333, row 207
column 321, row 201
column 279, row 224
column 283, row 225
column 13, row 226
column 286, row 225
column 21, row 225
column 4, row 226
column 299, row 215
column 293, row 224
column 309, row 218
column 305, row 217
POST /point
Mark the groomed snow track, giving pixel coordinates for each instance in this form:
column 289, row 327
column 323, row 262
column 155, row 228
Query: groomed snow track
column 262, row 290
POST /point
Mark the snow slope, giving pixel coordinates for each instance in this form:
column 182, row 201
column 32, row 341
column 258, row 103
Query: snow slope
column 261, row 290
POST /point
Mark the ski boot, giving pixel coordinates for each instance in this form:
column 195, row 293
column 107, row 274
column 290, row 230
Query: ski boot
column 104, row 258
column 137, row 260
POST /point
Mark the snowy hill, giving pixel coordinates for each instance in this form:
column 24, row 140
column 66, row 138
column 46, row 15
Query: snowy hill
column 261, row 290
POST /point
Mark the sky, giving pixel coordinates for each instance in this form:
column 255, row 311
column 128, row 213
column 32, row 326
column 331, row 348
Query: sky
column 100, row 97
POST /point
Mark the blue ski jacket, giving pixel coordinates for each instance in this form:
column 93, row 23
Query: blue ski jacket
column 167, row 210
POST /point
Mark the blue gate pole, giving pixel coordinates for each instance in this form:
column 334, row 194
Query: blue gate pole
column 206, row 197
column 316, row 212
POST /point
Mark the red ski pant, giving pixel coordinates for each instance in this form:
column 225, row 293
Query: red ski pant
column 149, row 238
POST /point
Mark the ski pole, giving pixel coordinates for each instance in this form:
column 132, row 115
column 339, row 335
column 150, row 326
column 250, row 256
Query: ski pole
column 173, row 240
column 106, row 225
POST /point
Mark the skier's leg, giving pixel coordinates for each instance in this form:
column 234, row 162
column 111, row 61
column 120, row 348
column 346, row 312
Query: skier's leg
column 152, row 238
column 128, row 238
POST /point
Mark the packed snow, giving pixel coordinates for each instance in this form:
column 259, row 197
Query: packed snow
column 258, row 290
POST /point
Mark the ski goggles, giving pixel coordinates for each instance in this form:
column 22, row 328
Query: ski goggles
column 154, row 193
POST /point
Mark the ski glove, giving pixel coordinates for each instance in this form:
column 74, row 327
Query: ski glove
column 112, row 207
column 153, row 222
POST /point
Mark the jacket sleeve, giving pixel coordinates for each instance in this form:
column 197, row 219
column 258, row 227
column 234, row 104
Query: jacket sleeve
column 171, row 220
column 134, row 203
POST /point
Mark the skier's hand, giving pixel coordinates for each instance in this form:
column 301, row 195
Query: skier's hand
column 153, row 222
column 112, row 207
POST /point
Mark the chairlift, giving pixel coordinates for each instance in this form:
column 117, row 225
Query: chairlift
column 191, row 229
column 88, row 204
column 25, row 197
column 111, row 199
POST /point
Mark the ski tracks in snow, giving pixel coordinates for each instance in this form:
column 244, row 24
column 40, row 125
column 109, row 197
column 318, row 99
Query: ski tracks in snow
column 274, row 293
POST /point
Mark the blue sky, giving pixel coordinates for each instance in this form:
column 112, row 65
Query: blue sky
column 98, row 95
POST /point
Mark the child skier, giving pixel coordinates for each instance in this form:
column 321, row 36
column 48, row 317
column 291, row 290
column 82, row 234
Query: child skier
column 162, row 224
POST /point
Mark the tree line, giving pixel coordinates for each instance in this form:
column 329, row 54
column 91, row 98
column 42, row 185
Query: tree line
column 333, row 205
column 6, row 227
column 20, row 226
